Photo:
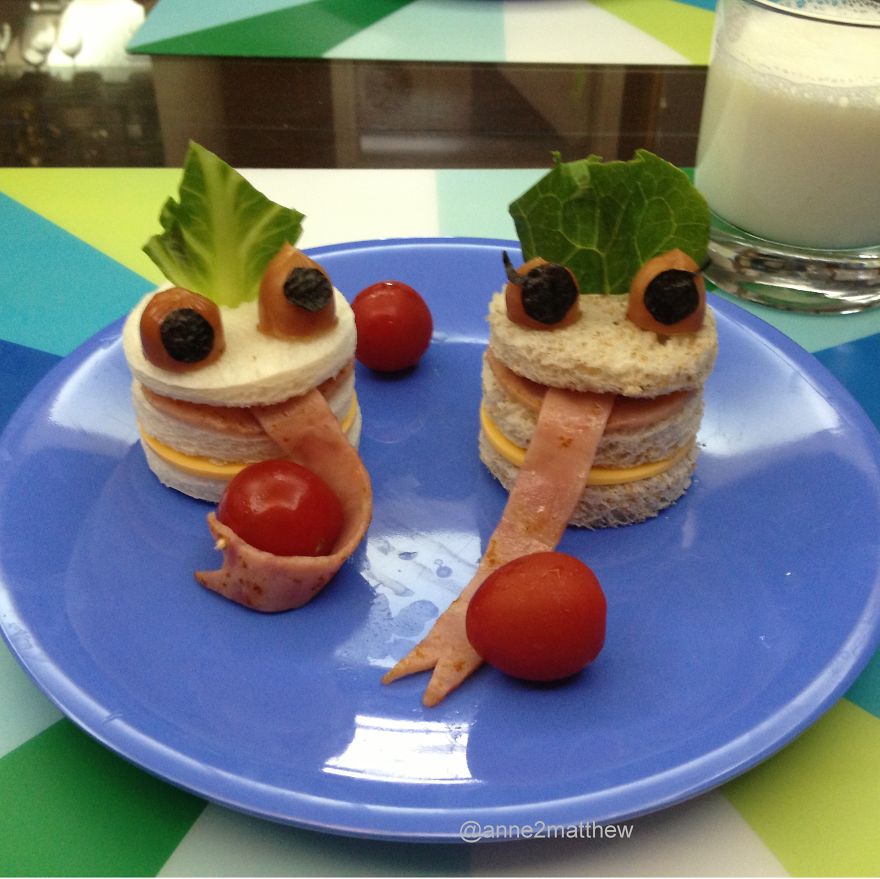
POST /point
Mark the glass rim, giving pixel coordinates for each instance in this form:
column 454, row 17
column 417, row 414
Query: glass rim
column 825, row 16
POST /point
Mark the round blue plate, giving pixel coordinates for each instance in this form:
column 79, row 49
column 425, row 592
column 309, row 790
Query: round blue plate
column 735, row 618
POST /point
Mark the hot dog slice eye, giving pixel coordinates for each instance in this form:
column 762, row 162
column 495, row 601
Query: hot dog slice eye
column 541, row 295
column 668, row 295
column 296, row 296
column 181, row 330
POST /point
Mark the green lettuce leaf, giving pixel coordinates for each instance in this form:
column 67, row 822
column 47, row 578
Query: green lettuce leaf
column 220, row 235
column 602, row 220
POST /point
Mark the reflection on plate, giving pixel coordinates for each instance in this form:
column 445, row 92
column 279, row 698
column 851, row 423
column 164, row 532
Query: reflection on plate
column 735, row 618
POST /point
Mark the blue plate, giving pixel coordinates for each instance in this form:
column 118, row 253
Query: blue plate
column 735, row 618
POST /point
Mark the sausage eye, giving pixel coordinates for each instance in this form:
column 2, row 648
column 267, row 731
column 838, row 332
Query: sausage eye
column 668, row 295
column 181, row 330
column 541, row 295
column 672, row 295
column 296, row 297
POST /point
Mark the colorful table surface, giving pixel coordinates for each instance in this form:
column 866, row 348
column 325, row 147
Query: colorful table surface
column 70, row 807
column 561, row 31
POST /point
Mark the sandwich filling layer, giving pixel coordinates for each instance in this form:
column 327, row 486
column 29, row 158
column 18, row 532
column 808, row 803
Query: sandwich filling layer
column 200, row 466
column 516, row 455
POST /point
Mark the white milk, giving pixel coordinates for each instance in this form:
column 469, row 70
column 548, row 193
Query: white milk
column 790, row 138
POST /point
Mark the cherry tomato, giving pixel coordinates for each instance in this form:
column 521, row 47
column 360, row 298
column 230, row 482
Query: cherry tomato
column 540, row 617
column 283, row 508
column 394, row 326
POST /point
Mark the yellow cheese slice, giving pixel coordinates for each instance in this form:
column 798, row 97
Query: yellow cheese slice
column 196, row 465
column 598, row 475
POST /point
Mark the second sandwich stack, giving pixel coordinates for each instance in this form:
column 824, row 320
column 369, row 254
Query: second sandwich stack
column 648, row 452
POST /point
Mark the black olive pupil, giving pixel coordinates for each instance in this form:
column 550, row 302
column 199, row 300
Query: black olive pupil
column 672, row 296
column 308, row 288
column 186, row 335
column 548, row 292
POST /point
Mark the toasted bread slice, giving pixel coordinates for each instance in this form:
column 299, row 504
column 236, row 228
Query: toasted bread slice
column 603, row 351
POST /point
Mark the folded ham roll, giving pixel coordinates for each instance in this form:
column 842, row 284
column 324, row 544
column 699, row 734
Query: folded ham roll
column 308, row 432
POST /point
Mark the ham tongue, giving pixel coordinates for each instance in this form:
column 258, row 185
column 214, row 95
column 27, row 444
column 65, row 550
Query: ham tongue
column 541, row 502
column 309, row 433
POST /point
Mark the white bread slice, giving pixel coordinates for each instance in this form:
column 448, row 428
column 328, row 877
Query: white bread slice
column 207, row 441
column 210, row 488
column 603, row 351
column 607, row 506
column 255, row 369
column 617, row 448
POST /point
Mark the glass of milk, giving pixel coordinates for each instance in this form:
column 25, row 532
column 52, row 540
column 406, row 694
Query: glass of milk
column 789, row 152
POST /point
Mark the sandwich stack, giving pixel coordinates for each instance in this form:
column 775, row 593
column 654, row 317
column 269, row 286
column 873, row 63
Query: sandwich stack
column 648, row 451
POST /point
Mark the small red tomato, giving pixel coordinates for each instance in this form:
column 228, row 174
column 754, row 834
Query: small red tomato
column 540, row 617
column 283, row 508
column 394, row 326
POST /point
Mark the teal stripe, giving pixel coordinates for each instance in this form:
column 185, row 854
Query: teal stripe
column 173, row 18
column 814, row 332
column 32, row 711
column 865, row 692
column 75, row 809
column 473, row 203
column 424, row 31
column 307, row 30
column 50, row 272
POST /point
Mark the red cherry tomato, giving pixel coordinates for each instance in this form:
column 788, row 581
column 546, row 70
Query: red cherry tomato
column 283, row 508
column 394, row 326
column 540, row 617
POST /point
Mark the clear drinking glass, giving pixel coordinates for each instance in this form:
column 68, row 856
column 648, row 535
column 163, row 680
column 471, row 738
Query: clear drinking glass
column 789, row 152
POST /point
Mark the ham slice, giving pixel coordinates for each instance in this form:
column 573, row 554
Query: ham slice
column 308, row 432
column 234, row 420
column 548, row 487
column 629, row 413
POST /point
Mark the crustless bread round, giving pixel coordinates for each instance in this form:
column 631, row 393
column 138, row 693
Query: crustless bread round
column 255, row 369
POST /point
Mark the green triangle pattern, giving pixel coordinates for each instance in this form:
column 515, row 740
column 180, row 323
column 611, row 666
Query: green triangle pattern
column 686, row 29
column 810, row 802
column 115, row 210
column 307, row 31
column 86, row 812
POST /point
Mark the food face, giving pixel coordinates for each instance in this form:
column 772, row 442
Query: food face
column 181, row 330
column 667, row 295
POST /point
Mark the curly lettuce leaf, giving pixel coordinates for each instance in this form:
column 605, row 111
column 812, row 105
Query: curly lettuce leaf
column 603, row 220
column 219, row 237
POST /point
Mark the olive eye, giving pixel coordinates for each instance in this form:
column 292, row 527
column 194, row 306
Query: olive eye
column 672, row 295
column 668, row 295
column 296, row 296
column 308, row 288
column 181, row 330
column 541, row 295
